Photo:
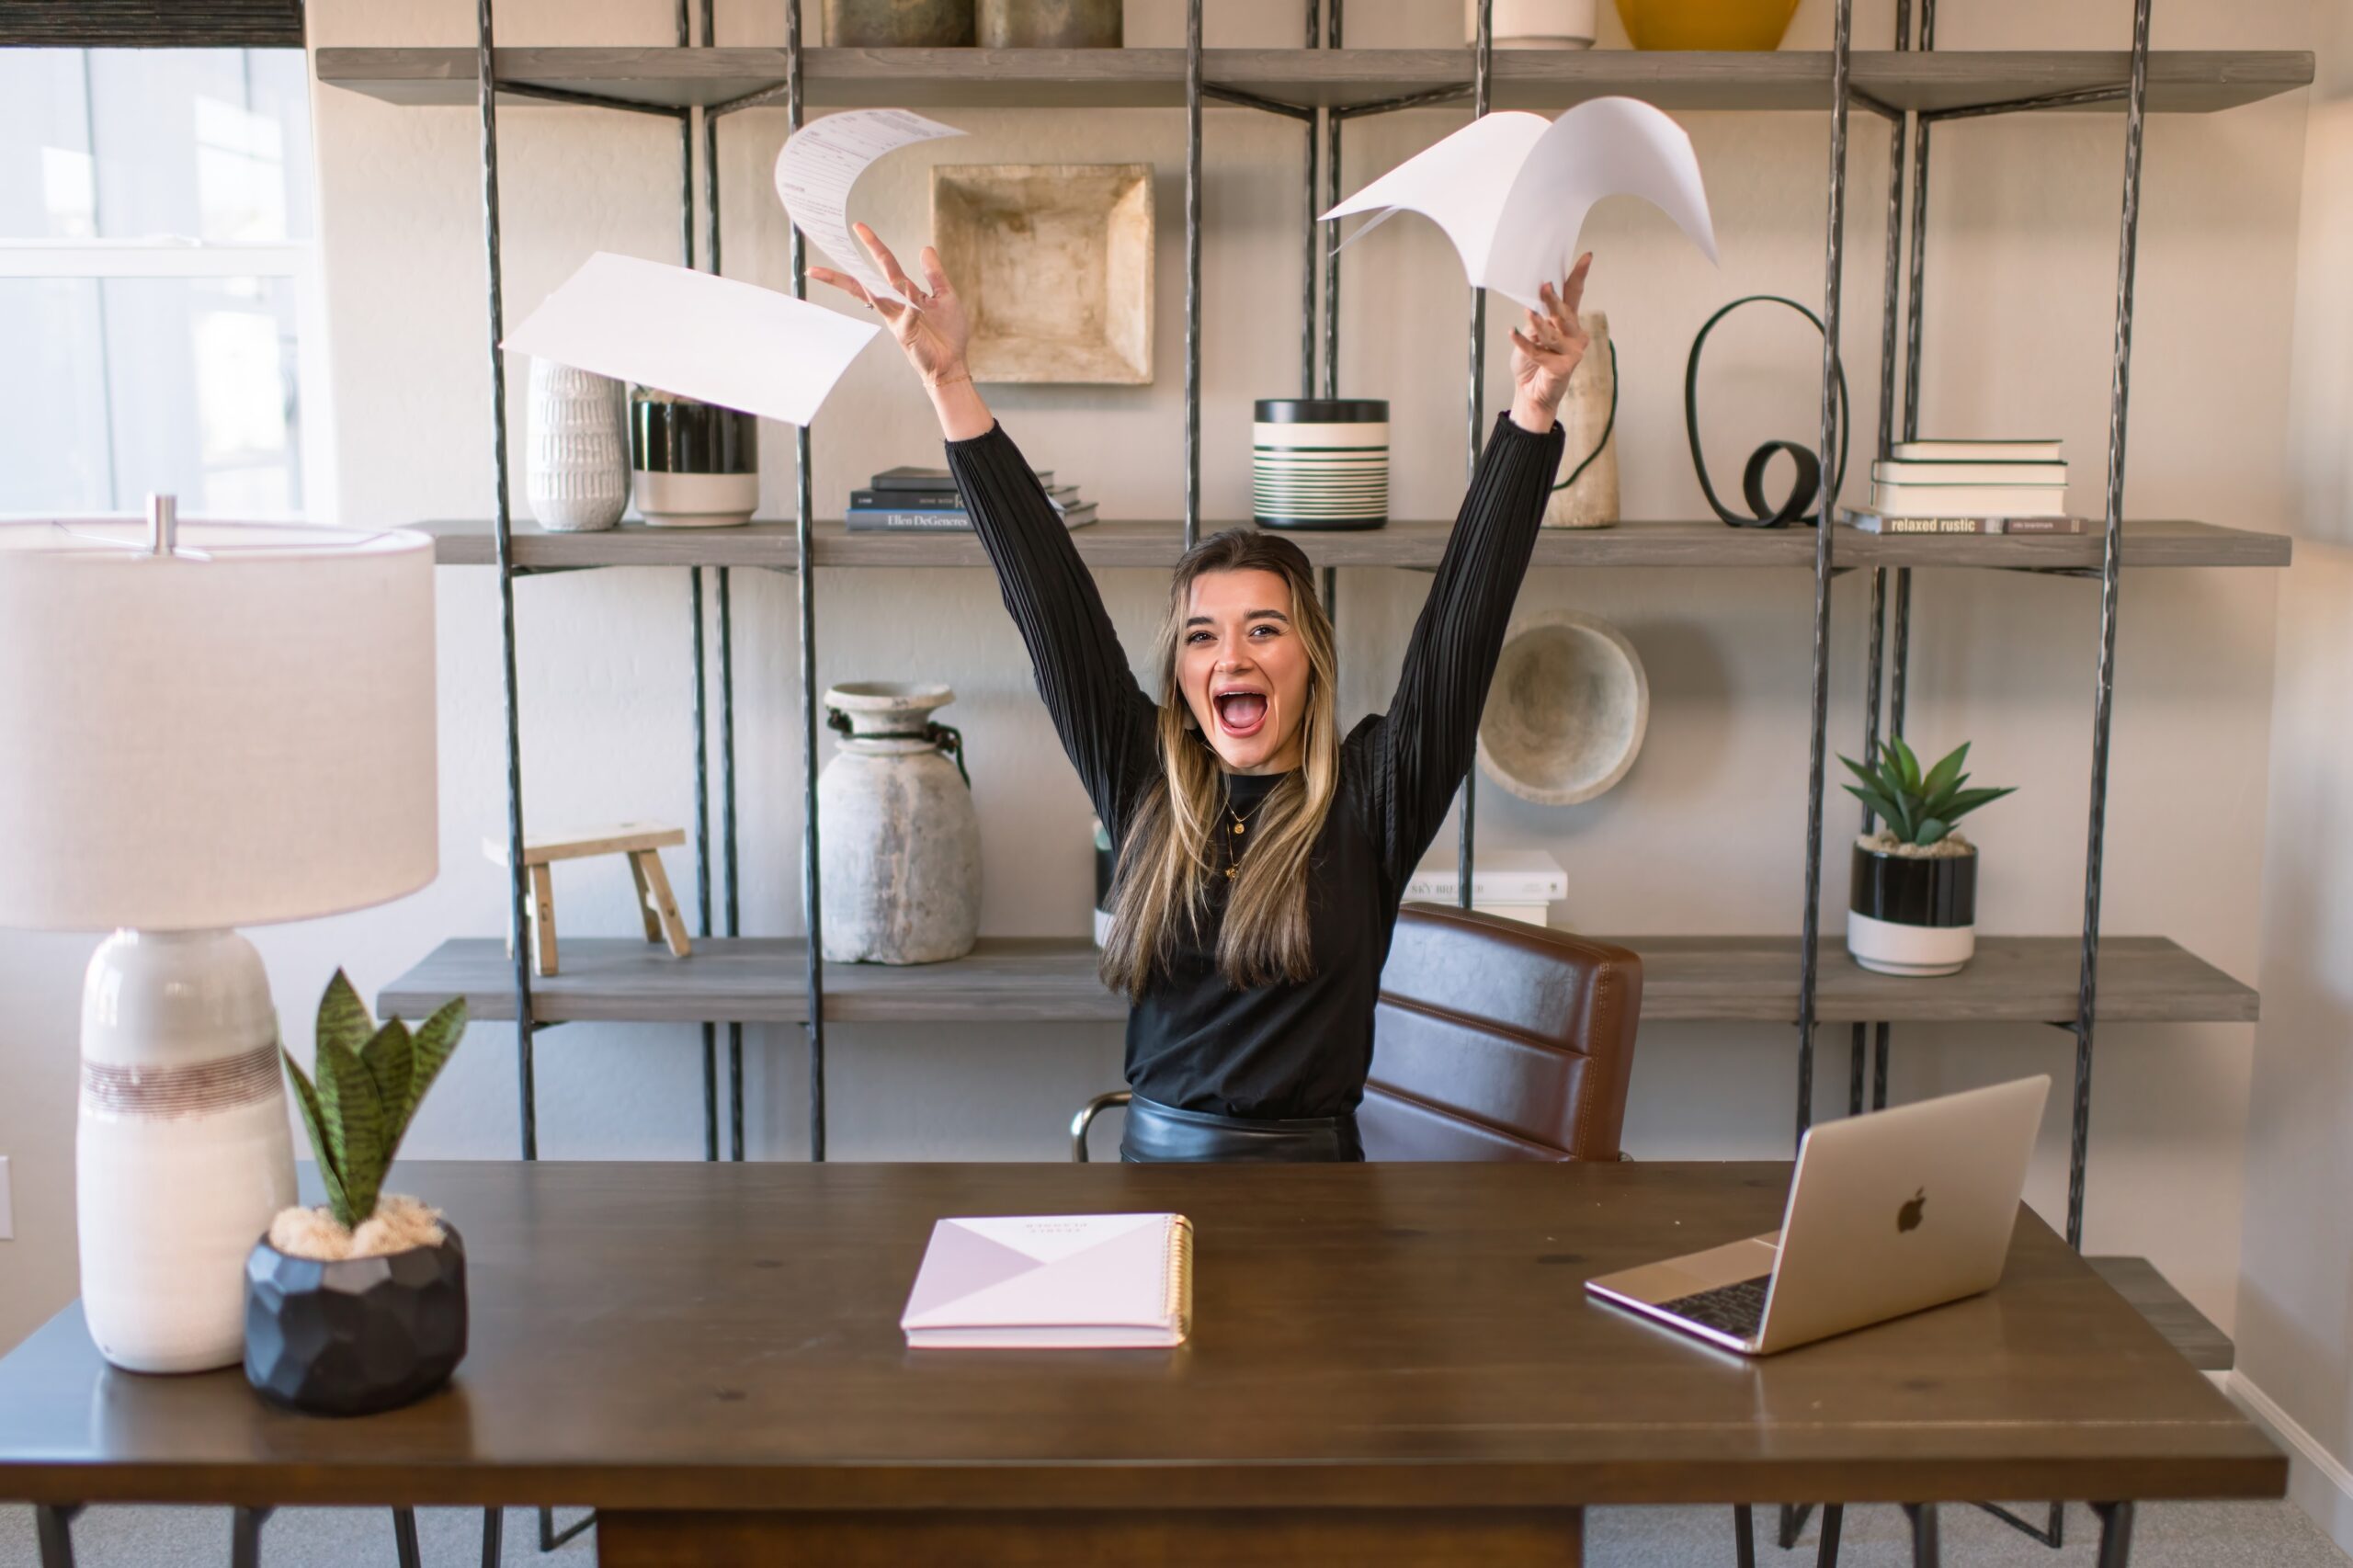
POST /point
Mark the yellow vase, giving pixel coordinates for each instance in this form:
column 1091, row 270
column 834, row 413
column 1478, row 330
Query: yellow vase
column 1706, row 24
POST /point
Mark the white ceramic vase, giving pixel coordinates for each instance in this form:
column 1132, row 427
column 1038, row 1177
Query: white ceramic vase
column 577, row 475
column 1585, row 423
column 183, row 1154
column 901, row 863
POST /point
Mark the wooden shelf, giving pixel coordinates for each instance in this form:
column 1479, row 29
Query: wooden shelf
column 2180, row 81
column 1052, row 980
column 2168, row 1311
column 760, row 980
column 1408, row 544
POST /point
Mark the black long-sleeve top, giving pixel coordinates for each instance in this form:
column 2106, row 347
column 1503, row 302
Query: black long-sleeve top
column 1289, row 1048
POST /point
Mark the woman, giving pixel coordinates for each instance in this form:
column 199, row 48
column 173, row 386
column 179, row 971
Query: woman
column 1262, row 853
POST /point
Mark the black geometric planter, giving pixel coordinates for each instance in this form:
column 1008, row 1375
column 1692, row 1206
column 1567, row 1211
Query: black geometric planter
column 355, row 1335
column 1912, row 914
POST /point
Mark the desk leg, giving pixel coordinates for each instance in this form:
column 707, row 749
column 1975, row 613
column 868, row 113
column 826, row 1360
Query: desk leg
column 244, row 1536
column 405, row 1548
column 1743, row 1535
column 2115, row 1534
column 1230, row 1537
column 551, row 1538
column 1927, row 1552
column 53, row 1526
column 1834, row 1515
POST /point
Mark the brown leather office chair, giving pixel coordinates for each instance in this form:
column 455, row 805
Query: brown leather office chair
column 1492, row 1039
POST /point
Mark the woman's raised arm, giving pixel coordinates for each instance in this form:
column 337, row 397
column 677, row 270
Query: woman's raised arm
column 1105, row 722
column 1423, row 745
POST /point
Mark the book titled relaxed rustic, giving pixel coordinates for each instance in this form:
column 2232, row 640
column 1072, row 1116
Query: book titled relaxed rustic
column 1882, row 523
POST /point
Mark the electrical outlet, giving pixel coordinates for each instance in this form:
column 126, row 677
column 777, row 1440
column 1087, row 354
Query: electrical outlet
column 8, row 1213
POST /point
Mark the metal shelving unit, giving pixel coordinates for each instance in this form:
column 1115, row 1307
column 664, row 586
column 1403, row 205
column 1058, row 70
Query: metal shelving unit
column 2067, row 981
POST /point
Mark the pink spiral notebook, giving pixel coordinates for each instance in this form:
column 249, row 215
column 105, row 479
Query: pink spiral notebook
column 1053, row 1283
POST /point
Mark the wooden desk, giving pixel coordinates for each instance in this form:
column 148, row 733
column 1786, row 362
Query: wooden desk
column 1392, row 1364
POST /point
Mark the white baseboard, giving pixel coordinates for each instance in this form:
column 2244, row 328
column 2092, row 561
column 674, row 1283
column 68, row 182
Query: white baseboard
column 2318, row 1482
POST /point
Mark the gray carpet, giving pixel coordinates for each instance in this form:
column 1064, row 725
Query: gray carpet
column 2233, row 1535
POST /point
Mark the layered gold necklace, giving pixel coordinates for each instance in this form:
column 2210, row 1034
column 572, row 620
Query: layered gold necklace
column 1234, row 860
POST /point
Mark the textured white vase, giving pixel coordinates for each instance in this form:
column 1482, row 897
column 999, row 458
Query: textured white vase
column 1592, row 501
column 578, row 478
column 901, row 862
column 183, row 1154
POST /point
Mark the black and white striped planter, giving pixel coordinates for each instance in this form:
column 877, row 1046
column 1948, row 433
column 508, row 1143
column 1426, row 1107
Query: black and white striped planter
column 1913, row 915
column 1320, row 463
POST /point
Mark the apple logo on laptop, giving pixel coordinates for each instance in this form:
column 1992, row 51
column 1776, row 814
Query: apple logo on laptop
column 1908, row 1217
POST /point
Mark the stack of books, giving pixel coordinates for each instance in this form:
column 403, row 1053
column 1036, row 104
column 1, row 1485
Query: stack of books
column 925, row 500
column 1968, row 487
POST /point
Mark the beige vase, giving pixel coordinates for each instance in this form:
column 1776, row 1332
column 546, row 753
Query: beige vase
column 1587, row 420
column 901, row 862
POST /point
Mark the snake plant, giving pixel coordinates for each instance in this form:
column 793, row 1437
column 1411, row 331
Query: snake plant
column 1918, row 808
column 368, row 1081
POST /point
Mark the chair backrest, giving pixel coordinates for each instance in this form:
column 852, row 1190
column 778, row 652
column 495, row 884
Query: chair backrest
column 1495, row 1040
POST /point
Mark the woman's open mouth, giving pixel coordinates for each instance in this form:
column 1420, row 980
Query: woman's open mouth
column 1241, row 712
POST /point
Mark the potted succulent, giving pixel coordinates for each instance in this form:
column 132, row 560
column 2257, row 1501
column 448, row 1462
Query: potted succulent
column 1914, row 907
column 359, row 1306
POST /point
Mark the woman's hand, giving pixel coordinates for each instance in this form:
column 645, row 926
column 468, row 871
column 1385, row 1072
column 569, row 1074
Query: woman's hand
column 933, row 334
column 1545, row 350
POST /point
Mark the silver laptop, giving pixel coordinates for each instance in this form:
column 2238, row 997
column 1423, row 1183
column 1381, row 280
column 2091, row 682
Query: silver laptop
column 1889, row 1213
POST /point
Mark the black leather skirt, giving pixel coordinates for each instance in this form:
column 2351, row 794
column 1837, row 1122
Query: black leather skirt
column 1155, row 1132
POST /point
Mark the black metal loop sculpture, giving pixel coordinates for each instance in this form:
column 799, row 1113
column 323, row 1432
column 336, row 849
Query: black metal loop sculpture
column 1798, row 504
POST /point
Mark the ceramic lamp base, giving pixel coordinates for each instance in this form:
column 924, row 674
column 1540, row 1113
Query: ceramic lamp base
column 184, row 1152
column 1889, row 947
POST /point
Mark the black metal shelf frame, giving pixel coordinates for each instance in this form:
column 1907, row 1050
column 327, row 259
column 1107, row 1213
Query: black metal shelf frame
column 1903, row 283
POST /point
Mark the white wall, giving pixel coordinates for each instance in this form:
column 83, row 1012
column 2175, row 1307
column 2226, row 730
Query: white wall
column 1704, row 834
column 2295, row 1304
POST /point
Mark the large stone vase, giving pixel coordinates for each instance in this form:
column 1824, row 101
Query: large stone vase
column 899, row 863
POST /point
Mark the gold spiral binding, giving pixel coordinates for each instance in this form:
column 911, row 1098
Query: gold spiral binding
column 1178, row 1275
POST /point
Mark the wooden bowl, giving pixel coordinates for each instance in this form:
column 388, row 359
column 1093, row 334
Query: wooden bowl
column 1567, row 711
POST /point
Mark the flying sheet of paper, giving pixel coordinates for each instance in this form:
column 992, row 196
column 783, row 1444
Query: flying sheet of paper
column 698, row 336
column 1512, row 189
column 818, row 166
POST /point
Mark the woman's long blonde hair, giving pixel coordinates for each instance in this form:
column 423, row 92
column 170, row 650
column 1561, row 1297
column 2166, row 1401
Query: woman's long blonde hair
column 1163, row 886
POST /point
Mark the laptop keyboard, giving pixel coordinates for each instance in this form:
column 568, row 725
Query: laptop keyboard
column 1737, row 1308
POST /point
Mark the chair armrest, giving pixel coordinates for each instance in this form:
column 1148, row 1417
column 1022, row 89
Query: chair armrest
column 1086, row 1118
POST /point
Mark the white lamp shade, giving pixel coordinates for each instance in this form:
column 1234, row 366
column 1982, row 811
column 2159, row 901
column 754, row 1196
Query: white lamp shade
column 237, row 733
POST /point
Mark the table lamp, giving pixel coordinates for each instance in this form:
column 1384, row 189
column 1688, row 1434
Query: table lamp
column 202, row 725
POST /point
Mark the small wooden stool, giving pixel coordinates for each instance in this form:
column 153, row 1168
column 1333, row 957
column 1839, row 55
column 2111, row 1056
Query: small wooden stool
column 637, row 840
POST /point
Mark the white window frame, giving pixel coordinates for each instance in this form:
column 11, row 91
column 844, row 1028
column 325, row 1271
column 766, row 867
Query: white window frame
column 176, row 257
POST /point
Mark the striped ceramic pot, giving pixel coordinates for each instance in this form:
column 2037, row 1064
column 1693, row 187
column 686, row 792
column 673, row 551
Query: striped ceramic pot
column 182, row 1155
column 1912, row 914
column 578, row 478
column 1320, row 463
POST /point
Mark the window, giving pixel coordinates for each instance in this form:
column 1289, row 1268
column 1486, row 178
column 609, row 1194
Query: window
column 158, row 294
